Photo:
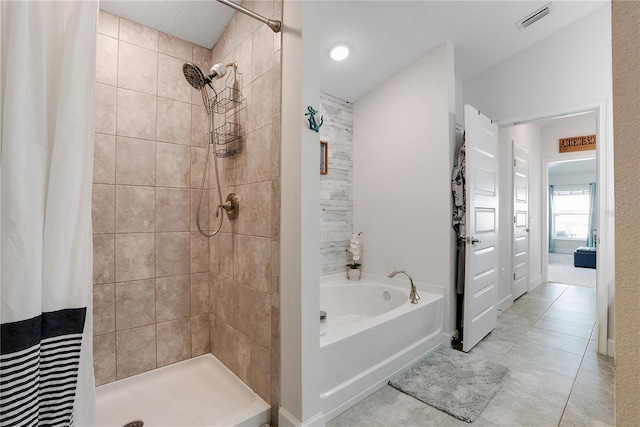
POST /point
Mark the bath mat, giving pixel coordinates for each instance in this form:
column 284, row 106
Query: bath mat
column 457, row 383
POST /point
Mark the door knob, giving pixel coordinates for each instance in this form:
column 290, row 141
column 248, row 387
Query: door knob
column 527, row 230
column 474, row 241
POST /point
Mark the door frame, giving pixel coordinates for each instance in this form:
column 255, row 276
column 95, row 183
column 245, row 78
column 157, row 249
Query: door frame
column 513, row 214
column 605, row 258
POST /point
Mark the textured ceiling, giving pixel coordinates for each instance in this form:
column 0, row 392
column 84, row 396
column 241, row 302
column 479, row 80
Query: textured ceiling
column 383, row 36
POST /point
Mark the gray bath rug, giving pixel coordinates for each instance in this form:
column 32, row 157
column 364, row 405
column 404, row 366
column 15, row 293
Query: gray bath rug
column 457, row 383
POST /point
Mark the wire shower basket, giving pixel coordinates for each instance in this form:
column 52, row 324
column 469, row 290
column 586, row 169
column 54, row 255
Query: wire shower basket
column 231, row 104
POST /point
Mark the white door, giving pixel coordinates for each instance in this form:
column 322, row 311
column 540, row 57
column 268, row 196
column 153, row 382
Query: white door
column 520, row 221
column 481, row 267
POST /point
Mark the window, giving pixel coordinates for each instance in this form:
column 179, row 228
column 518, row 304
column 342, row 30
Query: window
column 571, row 213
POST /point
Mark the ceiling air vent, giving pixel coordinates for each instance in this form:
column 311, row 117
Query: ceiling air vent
column 535, row 16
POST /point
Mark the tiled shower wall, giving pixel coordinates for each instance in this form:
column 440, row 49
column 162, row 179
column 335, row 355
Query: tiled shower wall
column 151, row 267
column 336, row 187
column 244, row 313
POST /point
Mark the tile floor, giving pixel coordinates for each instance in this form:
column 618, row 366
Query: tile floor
column 547, row 340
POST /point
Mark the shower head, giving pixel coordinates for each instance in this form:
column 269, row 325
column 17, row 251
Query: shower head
column 197, row 79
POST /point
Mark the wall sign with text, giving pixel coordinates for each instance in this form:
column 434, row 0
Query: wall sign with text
column 577, row 143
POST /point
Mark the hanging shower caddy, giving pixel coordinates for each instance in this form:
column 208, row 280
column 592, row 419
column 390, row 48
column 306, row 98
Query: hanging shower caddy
column 229, row 103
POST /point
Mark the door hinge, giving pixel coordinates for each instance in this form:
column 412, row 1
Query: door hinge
column 514, row 219
column 514, row 163
column 514, row 276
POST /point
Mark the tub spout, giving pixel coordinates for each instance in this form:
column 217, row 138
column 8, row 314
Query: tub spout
column 413, row 295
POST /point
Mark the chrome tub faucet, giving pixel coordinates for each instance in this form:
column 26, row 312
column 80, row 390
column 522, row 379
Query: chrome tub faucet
column 413, row 295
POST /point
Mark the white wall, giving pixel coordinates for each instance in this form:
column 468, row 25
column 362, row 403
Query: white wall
column 566, row 72
column 584, row 124
column 569, row 69
column 403, row 141
column 527, row 136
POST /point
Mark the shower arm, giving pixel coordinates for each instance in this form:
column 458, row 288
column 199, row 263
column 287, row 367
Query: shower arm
column 274, row 24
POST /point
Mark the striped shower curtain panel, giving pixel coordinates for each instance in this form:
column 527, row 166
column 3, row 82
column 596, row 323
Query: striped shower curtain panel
column 47, row 81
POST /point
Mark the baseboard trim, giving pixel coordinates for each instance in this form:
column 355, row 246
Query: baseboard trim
column 505, row 302
column 285, row 419
column 611, row 348
column 535, row 282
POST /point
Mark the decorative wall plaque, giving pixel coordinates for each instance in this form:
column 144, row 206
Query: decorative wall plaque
column 577, row 143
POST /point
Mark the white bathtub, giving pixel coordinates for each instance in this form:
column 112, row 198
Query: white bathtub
column 370, row 337
column 197, row 392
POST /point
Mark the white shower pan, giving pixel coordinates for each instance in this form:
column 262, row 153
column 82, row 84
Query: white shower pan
column 197, row 392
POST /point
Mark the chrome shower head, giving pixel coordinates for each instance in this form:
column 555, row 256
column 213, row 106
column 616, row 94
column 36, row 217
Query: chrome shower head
column 197, row 79
column 194, row 76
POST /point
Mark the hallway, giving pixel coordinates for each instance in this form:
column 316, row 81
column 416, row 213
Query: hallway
column 547, row 340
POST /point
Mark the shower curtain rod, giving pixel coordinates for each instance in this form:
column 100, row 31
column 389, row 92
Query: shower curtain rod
column 274, row 24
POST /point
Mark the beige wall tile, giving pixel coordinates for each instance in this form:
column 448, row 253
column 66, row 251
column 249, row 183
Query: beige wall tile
column 103, row 258
column 244, row 28
column 172, row 165
column 260, row 209
column 172, row 254
column 174, row 341
column 242, row 308
column 275, row 356
column 106, row 60
column 199, row 126
column 198, row 157
column 261, row 318
column 222, row 298
column 225, row 44
column 175, row 47
column 137, row 68
column 275, row 274
column 108, row 24
column 135, row 209
column 104, row 358
column 223, row 343
column 104, row 159
column 241, row 258
column 261, row 102
column 171, row 82
column 200, row 334
column 174, row 121
column 224, row 250
column 259, row 148
column 173, row 298
column 105, row 114
column 135, row 351
column 103, row 208
column 213, row 258
column 260, row 264
column 199, row 253
column 135, row 304
column 172, row 209
column 135, row 256
column 262, row 58
column 136, row 114
column 242, row 224
column 261, row 371
column 264, row 8
column 243, row 57
column 199, row 293
column 204, row 210
column 275, row 145
column 201, row 57
column 138, row 34
column 242, row 350
column 275, row 209
column 103, row 309
column 276, row 96
column 135, row 161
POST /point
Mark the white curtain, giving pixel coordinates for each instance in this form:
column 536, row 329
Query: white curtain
column 47, row 101
column 593, row 212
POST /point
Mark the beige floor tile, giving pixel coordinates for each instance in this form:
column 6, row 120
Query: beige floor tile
column 556, row 340
column 538, row 381
column 592, row 400
column 572, row 316
column 575, row 418
column 598, row 370
column 558, row 361
column 564, row 327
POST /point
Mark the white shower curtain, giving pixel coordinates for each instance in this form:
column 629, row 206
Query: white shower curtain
column 48, row 79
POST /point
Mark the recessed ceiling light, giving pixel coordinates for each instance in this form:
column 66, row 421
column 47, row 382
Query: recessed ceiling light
column 339, row 53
